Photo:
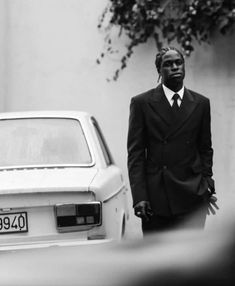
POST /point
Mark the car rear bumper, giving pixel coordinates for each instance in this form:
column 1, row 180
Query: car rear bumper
column 44, row 244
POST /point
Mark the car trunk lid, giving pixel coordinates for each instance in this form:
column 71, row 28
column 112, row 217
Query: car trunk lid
column 45, row 187
column 46, row 180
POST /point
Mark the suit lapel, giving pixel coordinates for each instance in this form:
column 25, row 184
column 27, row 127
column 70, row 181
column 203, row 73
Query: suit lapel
column 187, row 107
column 160, row 104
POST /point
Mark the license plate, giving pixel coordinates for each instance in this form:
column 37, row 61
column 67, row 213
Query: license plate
column 13, row 222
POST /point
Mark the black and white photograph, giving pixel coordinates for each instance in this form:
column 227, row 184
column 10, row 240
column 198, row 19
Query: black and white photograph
column 117, row 142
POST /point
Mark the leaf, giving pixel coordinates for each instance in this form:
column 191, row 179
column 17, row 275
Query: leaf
column 223, row 24
column 186, row 22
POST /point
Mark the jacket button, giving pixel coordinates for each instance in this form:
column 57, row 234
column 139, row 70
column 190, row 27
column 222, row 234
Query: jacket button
column 164, row 167
column 165, row 142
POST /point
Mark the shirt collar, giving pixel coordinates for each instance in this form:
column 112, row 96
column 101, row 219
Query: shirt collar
column 169, row 93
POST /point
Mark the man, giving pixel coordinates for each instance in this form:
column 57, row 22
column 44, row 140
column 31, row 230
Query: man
column 170, row 151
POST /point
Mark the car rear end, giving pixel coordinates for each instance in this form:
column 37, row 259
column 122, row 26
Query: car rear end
column 46, row 167
column 44, row 215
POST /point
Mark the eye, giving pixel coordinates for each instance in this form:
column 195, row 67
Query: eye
column 179, row 62
column 167, row 64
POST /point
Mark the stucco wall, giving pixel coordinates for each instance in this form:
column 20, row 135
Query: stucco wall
column 48, row 50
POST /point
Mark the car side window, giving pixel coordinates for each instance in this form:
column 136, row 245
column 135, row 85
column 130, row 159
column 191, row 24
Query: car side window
column 105, row 150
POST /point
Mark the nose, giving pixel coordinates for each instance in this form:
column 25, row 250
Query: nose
column 174, row 66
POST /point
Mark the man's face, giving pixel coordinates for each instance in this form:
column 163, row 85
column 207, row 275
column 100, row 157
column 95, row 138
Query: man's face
column 172, row 69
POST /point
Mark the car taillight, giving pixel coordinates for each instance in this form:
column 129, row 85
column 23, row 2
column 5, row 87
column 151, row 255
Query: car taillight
column 73, row 217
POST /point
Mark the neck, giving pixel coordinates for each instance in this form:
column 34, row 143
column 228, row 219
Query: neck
column 174, row 86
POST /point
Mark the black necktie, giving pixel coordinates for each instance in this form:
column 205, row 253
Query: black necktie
column 175, row 106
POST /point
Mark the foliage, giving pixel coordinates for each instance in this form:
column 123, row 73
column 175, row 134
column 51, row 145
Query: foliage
column 184, row 22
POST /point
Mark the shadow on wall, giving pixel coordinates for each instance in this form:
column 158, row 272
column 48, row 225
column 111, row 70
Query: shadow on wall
column 224, row 52
column 215, row 59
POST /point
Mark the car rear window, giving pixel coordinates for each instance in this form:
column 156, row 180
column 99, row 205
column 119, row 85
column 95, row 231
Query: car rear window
column 42, row 141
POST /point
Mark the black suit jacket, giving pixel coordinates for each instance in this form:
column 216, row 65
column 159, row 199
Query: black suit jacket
column 169, row 159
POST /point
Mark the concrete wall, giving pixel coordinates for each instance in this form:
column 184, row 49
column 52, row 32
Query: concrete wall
column 48, row 50
column 3, row 51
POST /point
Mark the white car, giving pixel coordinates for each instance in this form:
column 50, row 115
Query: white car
column 58, row 181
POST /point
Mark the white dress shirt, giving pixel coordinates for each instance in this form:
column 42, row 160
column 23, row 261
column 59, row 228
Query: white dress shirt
column 169, row 94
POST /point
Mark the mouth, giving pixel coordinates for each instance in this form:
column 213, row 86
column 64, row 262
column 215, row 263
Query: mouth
column 176, row 75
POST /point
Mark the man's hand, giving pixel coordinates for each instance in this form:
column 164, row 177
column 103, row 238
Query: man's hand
column 212, row 205
column 143, row 210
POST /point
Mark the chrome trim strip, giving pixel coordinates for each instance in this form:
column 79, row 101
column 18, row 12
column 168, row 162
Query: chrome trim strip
column 51, row 166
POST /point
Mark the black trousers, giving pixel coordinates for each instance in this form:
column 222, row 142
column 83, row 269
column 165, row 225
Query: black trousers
column 193, row 220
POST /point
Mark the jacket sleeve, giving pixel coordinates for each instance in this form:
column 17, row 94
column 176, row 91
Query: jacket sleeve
column 205, row 146
column 136, row 146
